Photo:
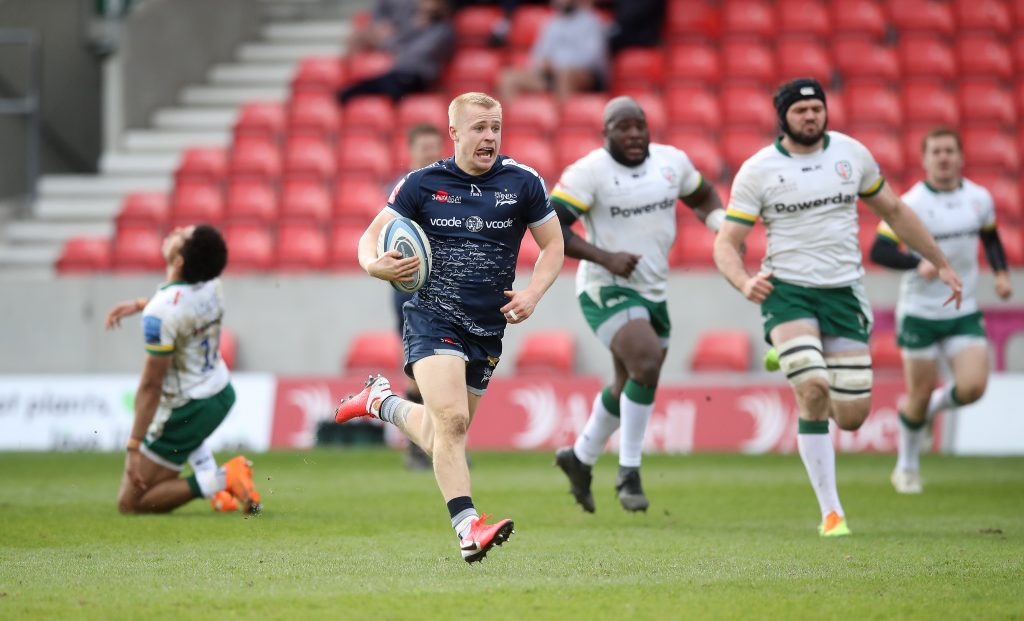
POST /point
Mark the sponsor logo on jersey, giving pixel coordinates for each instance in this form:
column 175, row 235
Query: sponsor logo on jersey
column 472, row 223
column 505, row 198
column 445, row 339
column 844, row 169
column 628, row 212
column 474, row 190
column 444, row 197
column 838, row 199
column 956, row 234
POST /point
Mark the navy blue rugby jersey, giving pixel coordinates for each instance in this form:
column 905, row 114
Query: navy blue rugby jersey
column 475, row 225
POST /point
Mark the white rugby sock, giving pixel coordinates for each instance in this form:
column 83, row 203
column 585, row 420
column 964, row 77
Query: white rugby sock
column 211, row 481
column 202, row 458
column 911, row 438
column 600, row 426
column 819, row 457
column 635, row 406
column 942, row 399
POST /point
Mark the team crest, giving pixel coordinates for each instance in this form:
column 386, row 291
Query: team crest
column 668, row 174
column 474, row 224
column 844, row 170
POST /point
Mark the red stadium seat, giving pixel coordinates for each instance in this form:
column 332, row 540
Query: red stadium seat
column 548, row 352
column 862, row 60
column 748, row 61
column 688, row 20
column 84, row 255
column 344, row 244
column 929, row 104
column 263, row 120
column 984, row 16
column 311, row 159
column 138, row 250
column 374, row 352
column 747, row 106
column 803, row 18
column 885, row 146
column 991, row 148
column 693, row 106
column 358, row 200
column 313, row 115
column 474, row 24
column 702, row 151
column 301, row 247
column 202, row 165
column 1020, row 98
column 740, row 144
column 571, row 146
column 584, row 111
column 927, row 57
column 722, row 350
column 694, row 246
column 255, row 159
column 692, row 62
column 871, row 105
column 1012, row 237
column 144, row 209
column 857, row 18
column 989, row 104
column 366, row 65
column 372, row 115
column 318, row 75
column 748, row 18
column 534, row 152
column 885, row 353
column 1017, row 50
column 228, row 347
column 639, row 67
column 1017, row 7
column 251, row 201
column 423, row 108
column 363, row 155
column 529, row 251
column 1005, row 194
column 801, row 58
column 305, row 201
column 527, row 22
column 533, row 112
column 473, row 70
column 756, row 245
column 922, row 16
column 197, row 203
column 981, row 55
column 250, row 248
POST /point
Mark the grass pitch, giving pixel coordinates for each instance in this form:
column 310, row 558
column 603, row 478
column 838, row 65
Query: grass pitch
column 351, row 535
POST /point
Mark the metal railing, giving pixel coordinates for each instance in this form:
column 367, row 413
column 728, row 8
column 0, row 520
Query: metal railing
column 28, row 105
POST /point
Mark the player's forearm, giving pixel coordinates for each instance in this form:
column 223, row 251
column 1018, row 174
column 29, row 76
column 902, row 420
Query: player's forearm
column 730, row 262
column 367, row 251
column 547, row 268
column 147, row 399
column 909, row 228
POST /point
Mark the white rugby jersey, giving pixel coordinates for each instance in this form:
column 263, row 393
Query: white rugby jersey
column 808, row 203
column 628, row 209
column 954, row 219
column 183, row 321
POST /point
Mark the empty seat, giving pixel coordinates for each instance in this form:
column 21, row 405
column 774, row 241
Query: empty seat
column 748, row 18
column 250, row 248
column 987, row 147
column 255, row 159
column 305, row 201
column 584, row 111
column 801, row 58
column 309, row 159
column 931, row 104
column 803, row 18
column 369, row 114
column 358, row 200
column 747, row 106
column 474, row 24
column 313, row 115
column 137, row 250
column 740, row 144
column 981, row 55
column 527, row 22
column 693, row 62
column 913, row 137
column 473, row 70
column 927, row 57
column 687, row 20
column 873, row 105
column 857, row 18
column 363, row 155
column 922, row 16
column 301, row 247
column 638, row 67
column 423, row 108
column 535, row 112
column 144, row 209
column 989, row 104
column 983, row 16
column 265, row 120
column 694, row 246
column 318, row 74
column 196, row 204
column 344, row 243
column 571, row 146
column 202, row 165
column 722, row 350
column 1005, row 194
column 694, row 106
column 863, row 60
column 251, row 201
column 534, row 152
column 373, row 352
column 748, row 61
column 550, row 351
column 366, row 65
column 702, row 151
column 84, row 255
column 836, row 110
column 885, row 353
column 885, row 147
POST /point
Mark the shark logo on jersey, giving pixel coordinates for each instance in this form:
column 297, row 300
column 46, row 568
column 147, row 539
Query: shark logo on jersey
column 844, row 169
column 474, row 224
column 474, row 190
column 505, row 198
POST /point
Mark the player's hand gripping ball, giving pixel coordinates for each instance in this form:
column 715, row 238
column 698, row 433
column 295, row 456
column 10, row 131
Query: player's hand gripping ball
column 405, row 236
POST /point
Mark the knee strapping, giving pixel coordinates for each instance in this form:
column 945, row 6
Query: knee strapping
column 849, row 377
column 801, row 359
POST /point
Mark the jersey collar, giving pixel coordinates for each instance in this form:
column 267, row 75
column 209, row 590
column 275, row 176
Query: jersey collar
column 171, row 284
column 935, row 190
column 784, row 151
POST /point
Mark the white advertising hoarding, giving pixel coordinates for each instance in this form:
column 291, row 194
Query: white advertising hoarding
column 995, row 424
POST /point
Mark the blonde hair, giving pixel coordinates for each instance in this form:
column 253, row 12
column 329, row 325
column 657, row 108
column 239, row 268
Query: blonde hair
column 471, row 99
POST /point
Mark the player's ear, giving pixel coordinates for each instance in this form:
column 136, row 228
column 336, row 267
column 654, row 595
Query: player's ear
column 453, row 134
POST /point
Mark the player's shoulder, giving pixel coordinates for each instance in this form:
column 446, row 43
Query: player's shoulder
column 522, row 174
column 438, row 167
column 840, row 140
column 667, row 152
column 168, row 301
column 976, row 189
column 762, row 161
column 916, row 192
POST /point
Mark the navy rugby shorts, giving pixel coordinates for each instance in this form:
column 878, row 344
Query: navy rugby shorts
column 426, row 334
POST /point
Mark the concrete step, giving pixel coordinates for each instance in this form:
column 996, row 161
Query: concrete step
column 330, row 32
column 100, row 186
column 81, row 209
column 159, row 141
column 194, row 119
column 286, row 53
column 16, row 273
column 136, row 164
column 35, row 255
column 231, row 95
column 35, row 232
column 250, row 74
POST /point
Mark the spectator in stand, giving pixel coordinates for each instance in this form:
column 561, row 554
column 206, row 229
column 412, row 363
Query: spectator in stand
column 420, row 54
column 569, row 56
column 637, row 24
column 389, row 20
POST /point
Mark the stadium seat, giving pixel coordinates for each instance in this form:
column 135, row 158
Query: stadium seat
column 301, row 247
column 261, row 120
column 885, row 146
column 313, row 115
column 305, row 201
column 689, row 20
column 372, row 115
column 885, row 353
column 694, row 245
column 137, row 250
column 693, row 62
column 318, row 75
column 639, row 67
column 1005, row 194
column 228, row 347
column 756, row 246
column 857, row 18
column 366, row 65
column 364, row 156
column 344, row 243
column 472, row 70
column 584, row 111
column 547, row 352
column 981, row 55
column 309, row 158
column 722, row 350
column 989, row 103
column 423, row 108
column 702, row 151
column 144, row 209
column 927, row 57
column 802, row 19
column 571, row 146
column 983, row 16
column 927, row 16
column 534, row 152
column 529, row 251
column 527, row 22
column 375, row 352
column 1017, row 51
column 251, row 201
column 748, row 106
column 873, row 105
column 1012, row 237
column 532, row 112
column 748, row 18
column 84, row 255
column 250, row 248
column 930, row 103
column 196, row 203
column 987, row 147
column 836, row 110
column 860, row 60
column 693, row 106
column 740, row 144
column 474, row 24
column 748, row 61
column 799, row 57
column 202, row 165
column 255, row 158
column 913, row 137
column 358, row 200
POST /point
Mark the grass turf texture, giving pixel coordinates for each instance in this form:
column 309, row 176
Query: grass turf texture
column 351, row 535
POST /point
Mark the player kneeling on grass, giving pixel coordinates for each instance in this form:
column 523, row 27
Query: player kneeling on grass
column 185, row 390
column 474, row 208
column 957, row 212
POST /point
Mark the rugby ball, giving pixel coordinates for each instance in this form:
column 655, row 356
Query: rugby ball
column 405, row 236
